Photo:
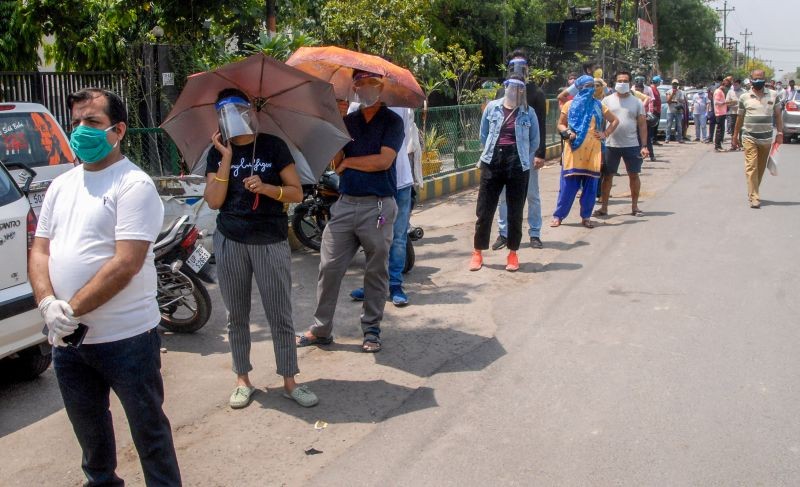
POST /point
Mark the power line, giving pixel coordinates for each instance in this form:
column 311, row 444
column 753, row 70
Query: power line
column 779, row 49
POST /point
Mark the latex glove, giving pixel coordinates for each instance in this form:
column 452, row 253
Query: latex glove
column 58, row 316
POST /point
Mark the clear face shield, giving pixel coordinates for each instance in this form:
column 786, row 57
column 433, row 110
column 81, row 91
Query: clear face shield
column 234, row 117
column 518, row 67
column 515, row 94
column 367, row 89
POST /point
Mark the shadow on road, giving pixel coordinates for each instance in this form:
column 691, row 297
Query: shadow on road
column 426, row 352
column 25, row 403
column 347, row 401
column 561, row 246
column 779, row 203
column 441, row 239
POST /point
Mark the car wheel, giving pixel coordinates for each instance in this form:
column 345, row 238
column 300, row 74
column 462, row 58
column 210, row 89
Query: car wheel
column 29, row 363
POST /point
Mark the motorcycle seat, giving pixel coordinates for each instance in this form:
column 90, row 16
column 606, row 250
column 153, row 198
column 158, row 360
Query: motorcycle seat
column 169, row 227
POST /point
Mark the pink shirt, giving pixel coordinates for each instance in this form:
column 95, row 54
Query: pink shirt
column 720, row 105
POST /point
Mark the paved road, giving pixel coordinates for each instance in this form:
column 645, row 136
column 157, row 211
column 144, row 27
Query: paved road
column 669, row 359
column 649, row 351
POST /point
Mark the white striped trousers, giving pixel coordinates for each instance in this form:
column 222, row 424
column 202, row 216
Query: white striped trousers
column 237, row 263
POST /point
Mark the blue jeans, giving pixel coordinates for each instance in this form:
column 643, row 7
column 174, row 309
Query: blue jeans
column 700, row 126
column 132, row 368
column 397, row 253
column 674, row 120
column 534, row 208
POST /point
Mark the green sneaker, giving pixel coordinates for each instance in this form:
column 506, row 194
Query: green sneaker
column 241, row 397
column 303, row 396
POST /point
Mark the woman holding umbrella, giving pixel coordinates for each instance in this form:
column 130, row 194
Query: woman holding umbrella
column 249, row 177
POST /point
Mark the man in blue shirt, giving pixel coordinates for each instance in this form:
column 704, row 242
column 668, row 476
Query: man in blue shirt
column 363, row 216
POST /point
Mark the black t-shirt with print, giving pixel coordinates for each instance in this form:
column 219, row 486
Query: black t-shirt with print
column 237, row 220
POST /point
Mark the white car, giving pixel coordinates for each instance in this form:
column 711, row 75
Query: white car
column 23, row 346
column 30, row 136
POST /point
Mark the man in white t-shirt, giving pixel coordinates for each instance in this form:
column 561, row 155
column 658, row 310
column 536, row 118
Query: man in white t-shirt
column 627, row 142
column 92, row 264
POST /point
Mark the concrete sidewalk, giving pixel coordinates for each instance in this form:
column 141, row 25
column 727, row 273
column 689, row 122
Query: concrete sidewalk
column 445, row 329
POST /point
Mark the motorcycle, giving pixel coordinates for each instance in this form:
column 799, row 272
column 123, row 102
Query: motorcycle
column 182, row 265
column 312, row 214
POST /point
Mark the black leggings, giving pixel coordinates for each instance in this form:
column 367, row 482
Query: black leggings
column 505, row 171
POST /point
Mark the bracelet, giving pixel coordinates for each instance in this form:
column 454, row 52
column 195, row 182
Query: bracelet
column 221, row 180
column 280, row 195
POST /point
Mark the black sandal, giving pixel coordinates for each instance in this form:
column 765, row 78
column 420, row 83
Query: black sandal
column 372, row 344
column 304, row 341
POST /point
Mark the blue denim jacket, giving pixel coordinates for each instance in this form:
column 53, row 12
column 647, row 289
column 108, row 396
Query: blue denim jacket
column 527, row 133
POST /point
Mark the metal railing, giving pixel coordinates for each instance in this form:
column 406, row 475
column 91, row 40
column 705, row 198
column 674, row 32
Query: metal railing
column 457, row 126
column 51, row 89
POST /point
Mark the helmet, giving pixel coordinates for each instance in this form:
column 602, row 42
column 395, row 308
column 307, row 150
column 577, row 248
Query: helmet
column 656, row 79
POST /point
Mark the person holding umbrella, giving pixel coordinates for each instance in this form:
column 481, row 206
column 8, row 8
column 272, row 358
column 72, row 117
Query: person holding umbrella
column 364, row 215
column 249, row 177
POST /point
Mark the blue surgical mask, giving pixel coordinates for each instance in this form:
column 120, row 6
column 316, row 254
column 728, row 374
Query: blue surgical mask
column 90, row 144
column 759, row 83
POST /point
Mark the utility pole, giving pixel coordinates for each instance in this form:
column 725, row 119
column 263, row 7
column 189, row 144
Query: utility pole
column 725, row 11
column 735, row 54
column 746, row 34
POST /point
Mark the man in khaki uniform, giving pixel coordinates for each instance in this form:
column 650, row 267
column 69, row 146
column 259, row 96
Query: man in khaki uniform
column 758, row 108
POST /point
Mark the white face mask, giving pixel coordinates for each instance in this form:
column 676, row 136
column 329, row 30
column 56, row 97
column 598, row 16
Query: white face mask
column 622, row 88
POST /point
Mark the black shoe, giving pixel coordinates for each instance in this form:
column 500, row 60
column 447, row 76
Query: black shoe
column 499, row 243
column 536, row 243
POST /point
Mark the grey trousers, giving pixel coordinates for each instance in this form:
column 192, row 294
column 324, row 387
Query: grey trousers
column 354, row 223
column 271, row 265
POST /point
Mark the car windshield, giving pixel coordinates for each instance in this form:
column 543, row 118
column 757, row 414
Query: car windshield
column 33, row 139
column 8, row 189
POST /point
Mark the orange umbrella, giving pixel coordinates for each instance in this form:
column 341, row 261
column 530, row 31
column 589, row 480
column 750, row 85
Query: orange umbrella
column 288, row 103
column 336, row 65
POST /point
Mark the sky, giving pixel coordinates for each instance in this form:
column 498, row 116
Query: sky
column 774, row 24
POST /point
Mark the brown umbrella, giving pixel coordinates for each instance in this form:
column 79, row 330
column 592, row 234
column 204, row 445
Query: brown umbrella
column 336, row 65
column 290, row 104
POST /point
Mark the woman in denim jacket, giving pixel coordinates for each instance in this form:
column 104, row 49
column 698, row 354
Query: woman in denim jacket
column 510, row 137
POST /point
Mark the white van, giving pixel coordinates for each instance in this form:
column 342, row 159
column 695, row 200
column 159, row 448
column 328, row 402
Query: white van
column 23, row 347
column 30, row 136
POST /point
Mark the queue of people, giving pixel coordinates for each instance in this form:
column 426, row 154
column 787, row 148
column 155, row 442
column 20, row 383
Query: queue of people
column 94, row 268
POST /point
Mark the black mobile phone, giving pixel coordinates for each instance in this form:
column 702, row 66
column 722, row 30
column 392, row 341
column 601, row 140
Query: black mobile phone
column 75, row 338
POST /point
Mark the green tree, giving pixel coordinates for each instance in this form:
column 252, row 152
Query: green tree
column 20, row 35
column 460, row 69
column 382, row 27
column 98, row 34
column 686, row 34
column 494, row 27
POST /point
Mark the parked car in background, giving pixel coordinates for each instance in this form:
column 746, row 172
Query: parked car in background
column 31, row 137
column 791, row 118
column 690, row 94
column 662, row 123
column 24, row 352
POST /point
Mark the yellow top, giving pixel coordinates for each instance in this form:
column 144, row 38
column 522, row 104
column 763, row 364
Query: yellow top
column 586, row 159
